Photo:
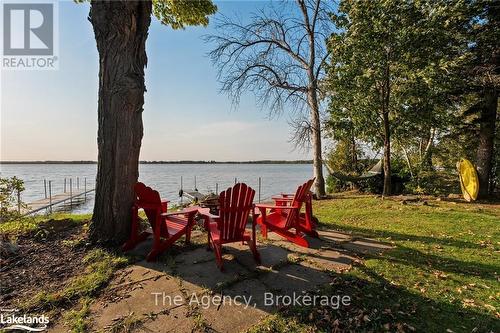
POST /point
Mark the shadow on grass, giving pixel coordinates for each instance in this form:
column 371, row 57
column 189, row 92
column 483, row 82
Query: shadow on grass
column 411, row 257
column 396, row 236
column 416, row 258
column 377, row 305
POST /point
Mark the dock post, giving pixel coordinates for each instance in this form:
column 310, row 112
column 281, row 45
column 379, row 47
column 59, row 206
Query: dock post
column 195, row 188
column 77, row 183
column 260, row 184
column 217, row 188
column 50, row 196
column 18, row 201
column 45, row 187
column 70, row 193
column 64, row 185
column 85, row 188
column 181, row 192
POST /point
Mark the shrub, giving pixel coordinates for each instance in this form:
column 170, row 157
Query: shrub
column 334, row 184
column 371, row 185
column 10, row 204
column 433, row 183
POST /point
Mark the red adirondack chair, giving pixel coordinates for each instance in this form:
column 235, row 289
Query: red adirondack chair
column 235, row 205
column 282, row 218
column 308, row 222
column 166, row 227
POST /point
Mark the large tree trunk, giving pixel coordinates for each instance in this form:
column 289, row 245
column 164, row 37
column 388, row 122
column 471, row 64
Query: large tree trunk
column 485, row 149
column 121, row 29
column 387, row 155
column 319, row 184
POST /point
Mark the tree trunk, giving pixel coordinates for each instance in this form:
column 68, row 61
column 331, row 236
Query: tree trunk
column 386, row 98
column 426, row 158
column 312, row 101
column 485, row 149
column 387, row 155
column 408, row 161
column 121, row 30
column 354, row 154
column 319, row 184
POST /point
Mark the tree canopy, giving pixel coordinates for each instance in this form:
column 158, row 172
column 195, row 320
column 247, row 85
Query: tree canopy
column 180, row 13
column 396, row 77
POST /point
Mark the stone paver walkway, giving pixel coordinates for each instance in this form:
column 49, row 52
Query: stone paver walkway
column 182, row 293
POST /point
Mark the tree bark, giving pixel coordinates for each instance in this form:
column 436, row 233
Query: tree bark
column 386, row 98
column 121, row 29
column 319, row 183
column 426, row 157
column 312, row 98
column 408, row 161
column 485, row 149
column 354, row 157
column 387, row 155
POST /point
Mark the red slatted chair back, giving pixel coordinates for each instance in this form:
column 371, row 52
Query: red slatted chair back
column 235, row 205
column 149, row 200
column 298, row 200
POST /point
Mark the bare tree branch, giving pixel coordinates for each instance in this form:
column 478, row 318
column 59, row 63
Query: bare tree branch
column 278, row 55
column 270, row 53
column 301, row 133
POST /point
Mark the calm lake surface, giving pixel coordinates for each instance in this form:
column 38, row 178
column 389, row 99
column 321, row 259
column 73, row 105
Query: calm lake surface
column 166, row 178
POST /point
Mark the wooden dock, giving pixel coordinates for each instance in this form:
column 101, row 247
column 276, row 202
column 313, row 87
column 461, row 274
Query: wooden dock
column 68, row 198
column 193, row 195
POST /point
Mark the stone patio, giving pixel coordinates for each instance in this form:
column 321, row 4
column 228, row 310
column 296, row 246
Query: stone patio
column 181, row 293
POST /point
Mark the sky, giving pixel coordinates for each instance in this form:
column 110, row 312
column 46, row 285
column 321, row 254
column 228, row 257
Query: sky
column 52, row 115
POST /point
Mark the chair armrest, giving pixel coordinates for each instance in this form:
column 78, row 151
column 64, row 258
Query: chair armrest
column 208, row 218
column 185, row 211
column 205, row 212
column 264, row 206
column 279, row 198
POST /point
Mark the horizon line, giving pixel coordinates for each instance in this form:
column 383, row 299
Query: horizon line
column 165, row 162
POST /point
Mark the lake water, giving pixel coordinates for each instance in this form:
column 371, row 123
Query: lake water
column 166, row 178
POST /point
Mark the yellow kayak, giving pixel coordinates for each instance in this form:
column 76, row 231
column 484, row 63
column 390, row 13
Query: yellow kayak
column 469, row 182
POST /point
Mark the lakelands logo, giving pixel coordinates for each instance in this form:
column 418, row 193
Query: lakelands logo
column 11, row 320
column 29, row 37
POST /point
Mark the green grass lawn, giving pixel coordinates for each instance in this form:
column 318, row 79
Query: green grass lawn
column 442, row 276
column 31, row 223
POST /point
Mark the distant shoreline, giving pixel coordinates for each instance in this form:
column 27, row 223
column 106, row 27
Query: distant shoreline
column 167, row 162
